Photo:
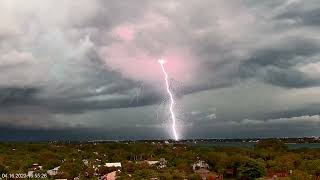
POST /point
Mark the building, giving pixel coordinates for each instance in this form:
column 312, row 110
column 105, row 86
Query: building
column 116, row 164
column 204, row 173
column 85, row 162
column 112, row 175
column 36, row 166
column 202, row 168
column 200, row 165
column 54, row 171
column 152, row 162
column 109, row 176
column 162, row 163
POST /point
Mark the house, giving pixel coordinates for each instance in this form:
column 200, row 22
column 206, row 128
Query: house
column 162, row 163
column 202, row 168
column 200, row 165
column 152, row 162
column 230, row 172
column 96, row 169
column 116, row 164
column 215, row 177
column 277, row 174
column 109, row 176
column 54, row 171
column 36, row 166
column 104, row 177
column 203, row 173
column 85, row 162
column 112, row 175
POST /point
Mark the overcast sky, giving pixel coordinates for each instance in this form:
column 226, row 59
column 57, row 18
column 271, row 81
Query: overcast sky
column 87, row 69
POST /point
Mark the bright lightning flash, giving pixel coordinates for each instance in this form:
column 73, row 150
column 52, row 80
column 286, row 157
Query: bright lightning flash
column 172, row 102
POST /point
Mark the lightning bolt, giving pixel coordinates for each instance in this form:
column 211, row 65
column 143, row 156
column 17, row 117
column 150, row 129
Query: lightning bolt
column 172, row 102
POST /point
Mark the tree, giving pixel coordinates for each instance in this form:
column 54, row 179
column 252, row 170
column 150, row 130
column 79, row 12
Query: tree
column 105, row 170
column 49, row 160
column 251, row 170
column 311, row 166
column 145, row 174
column 71, row 169
column 298, row 175
column 286, row 162
column 195, row 177
column 3, row 169
column 269, row 149
column 236, row 161
column 271, row 145
column 184, row 167
column 218, row 161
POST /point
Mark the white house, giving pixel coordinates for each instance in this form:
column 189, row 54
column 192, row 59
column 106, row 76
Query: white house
column 200, row 165
column 53, row 172
column 116, row 164
column 162, row 163
column 152, row 162
column 36, row 166
column 85, row 162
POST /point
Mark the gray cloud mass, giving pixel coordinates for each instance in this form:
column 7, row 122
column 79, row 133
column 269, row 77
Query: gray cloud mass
column 244, row 67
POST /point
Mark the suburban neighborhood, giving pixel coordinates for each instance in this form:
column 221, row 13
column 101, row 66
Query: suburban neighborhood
column 156, row 160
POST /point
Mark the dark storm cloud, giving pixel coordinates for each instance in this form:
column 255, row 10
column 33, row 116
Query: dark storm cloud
column 13, row 95
column 8, row 133
column 310, row 110
column 67, row 64
column 277, row 65
column 80, row 106
column 98, row 87
column 263, row 130
column 287, row 78
column 283, row 55
column 290, row 78
column 283, row 124
column 302, row 16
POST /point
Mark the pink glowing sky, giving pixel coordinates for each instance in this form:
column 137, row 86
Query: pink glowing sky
column 128, row 57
